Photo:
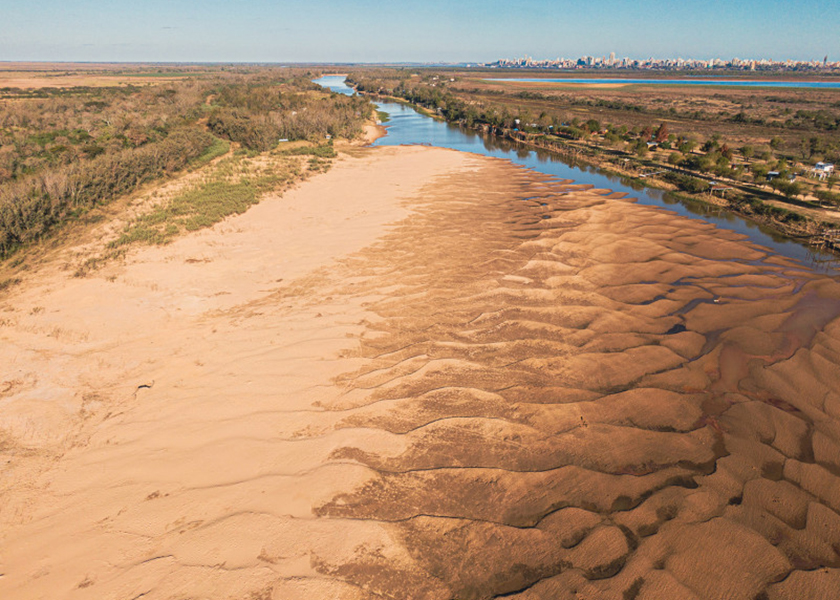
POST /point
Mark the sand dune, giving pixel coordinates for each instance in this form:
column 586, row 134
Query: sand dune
column 430, row 375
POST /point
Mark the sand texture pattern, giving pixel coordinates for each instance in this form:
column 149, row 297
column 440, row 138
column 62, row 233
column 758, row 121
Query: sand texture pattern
column 426, row 375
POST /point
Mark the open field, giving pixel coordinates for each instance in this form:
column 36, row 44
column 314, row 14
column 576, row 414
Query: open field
column 422, row 374
column 37, row 76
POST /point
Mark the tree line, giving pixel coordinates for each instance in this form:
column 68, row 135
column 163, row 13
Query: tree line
column 32, row 206
column 259, row 117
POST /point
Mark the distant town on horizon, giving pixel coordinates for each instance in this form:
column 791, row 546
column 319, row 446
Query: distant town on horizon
column 664, row 64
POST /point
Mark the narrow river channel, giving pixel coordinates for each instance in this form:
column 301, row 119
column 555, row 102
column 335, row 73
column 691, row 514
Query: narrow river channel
column 406, row 126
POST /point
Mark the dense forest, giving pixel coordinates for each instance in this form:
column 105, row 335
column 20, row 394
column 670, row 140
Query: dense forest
column 67, row 150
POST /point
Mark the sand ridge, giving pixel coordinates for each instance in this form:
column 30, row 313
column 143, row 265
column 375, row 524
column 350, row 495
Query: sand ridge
column 645, row 389
column 427, row 374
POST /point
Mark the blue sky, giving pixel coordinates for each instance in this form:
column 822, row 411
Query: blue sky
column 423, row 31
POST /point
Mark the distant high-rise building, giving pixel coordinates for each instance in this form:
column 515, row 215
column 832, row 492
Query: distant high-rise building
column 665, row 64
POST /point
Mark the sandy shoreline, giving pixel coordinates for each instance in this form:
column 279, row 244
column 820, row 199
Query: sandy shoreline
column 425, row 374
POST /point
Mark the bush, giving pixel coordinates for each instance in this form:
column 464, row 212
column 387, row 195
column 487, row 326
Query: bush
column 693, row 185
column 686, row 183
column 322, row 151
column 255, row 133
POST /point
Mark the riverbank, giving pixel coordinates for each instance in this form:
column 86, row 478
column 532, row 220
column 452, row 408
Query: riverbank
column 807, row 225
column 788, row 218
column 424, row 373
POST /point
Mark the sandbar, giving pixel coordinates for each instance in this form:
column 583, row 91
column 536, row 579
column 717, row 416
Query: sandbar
column 424, row 374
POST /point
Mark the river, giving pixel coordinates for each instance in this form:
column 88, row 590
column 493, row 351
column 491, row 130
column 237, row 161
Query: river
column 406, row 126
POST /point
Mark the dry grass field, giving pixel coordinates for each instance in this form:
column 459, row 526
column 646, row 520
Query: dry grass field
column 37, row 76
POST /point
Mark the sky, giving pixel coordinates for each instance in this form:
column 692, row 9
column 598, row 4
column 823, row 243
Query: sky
column 284, row 31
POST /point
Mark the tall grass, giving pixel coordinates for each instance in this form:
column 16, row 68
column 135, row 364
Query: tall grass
column 233, row 187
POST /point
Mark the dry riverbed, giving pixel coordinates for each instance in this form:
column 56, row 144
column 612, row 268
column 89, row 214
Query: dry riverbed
column 424, row 374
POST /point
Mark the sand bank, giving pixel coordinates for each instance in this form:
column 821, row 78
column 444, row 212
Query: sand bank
column 425, row 374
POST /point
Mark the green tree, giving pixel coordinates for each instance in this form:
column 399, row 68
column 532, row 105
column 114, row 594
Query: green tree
column 760, row 171
column 790, row 189
column 826, row 197
column 687, row 146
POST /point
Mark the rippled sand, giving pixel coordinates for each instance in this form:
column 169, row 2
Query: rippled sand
column 519, row 388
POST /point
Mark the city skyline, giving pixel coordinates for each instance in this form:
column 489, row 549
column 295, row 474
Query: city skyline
column 435, row 31
column 676, row 63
